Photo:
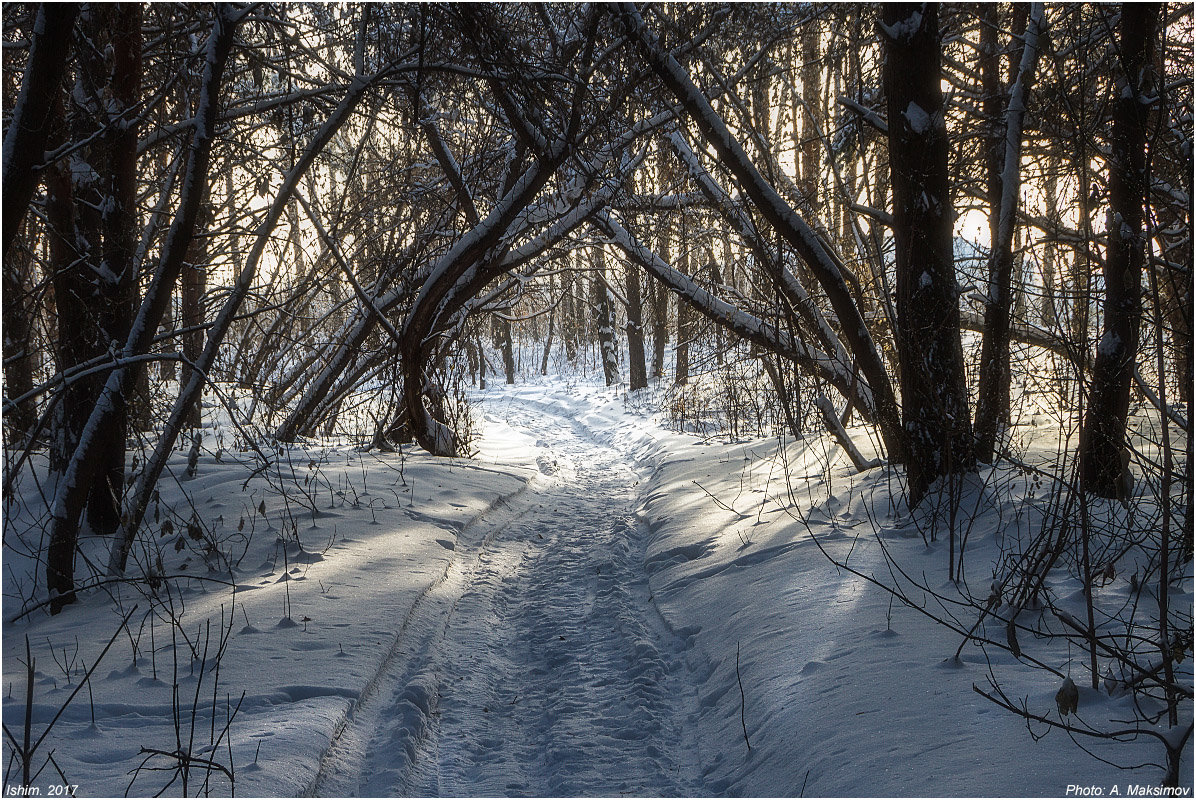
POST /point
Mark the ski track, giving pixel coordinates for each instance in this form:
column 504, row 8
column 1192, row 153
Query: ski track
column 538, row 665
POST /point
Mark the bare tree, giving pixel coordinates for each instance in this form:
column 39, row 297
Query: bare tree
column 1103, row 457
column 934, row 396
column 1003, row 167
column 26, row 137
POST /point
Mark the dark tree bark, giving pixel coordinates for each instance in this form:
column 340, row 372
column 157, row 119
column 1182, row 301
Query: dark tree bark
column 86, row 460
column 1002, row 171
column 685, row 326
column 934, row 396
column 117, row 281
column 1103, row 462
column 659, row 301
column 18, row 341
column 551, row 333
column 192, row 285
column 569, row 321
column 637, row 370
column 502, row 340
column 548, row 342
column 68, row 351
column 25, row 141
column 89, row 198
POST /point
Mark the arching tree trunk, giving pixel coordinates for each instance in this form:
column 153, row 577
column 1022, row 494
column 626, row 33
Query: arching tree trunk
column 819, row 258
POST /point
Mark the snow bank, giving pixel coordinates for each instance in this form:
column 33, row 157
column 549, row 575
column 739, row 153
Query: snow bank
column 310, row 593
column 846, row 691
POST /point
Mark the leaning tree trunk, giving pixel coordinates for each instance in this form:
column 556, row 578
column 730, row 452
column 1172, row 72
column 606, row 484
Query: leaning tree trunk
column 25, row 140
column 823, row 264
column 85, row 462
column 190, row 393
column 1103, row 469
column 934, row 396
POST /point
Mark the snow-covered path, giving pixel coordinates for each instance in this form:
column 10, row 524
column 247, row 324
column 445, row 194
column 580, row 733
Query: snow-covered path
column 539, row 665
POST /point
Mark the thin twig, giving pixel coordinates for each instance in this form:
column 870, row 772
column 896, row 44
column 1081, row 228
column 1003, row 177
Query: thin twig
column 742, row 699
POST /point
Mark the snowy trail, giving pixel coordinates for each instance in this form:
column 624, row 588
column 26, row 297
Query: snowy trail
column 538, row 665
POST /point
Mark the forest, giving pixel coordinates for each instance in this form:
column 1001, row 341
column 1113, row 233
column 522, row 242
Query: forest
column 895, row 299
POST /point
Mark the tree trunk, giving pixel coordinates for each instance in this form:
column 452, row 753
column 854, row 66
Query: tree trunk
column 502, row 340
column 548, row 341
column 637, row 370
column 684, row 323
column 1003, row 171
column 1104, row 470
column 95, row 239
column 551, row 333
column 18, row 339
column 934, row 396
column 659, row 301
column 86, row 459
column 192, row 285
column 569, row 314
column 118, row 284
column 25, row 140
column 811, row 92
column 604, row 319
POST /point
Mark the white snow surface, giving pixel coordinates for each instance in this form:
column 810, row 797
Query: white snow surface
column 593, row 605
column 919, row 120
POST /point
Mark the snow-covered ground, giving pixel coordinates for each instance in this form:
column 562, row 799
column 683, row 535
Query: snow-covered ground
column 592, row 605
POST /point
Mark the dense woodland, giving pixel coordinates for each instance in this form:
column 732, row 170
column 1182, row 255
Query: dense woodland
column 912, row 223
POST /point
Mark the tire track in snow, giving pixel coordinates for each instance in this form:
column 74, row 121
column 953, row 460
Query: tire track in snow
column 397, row 699
column 551, row 672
